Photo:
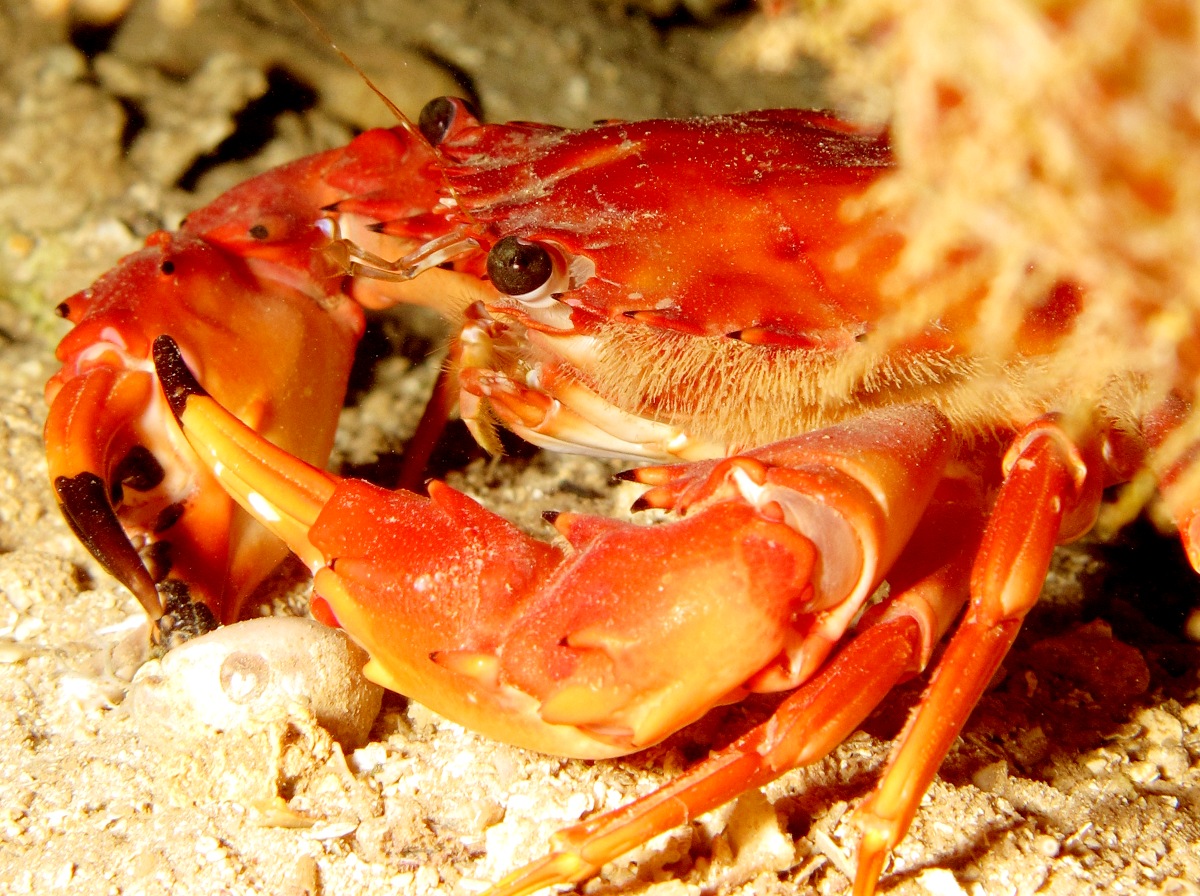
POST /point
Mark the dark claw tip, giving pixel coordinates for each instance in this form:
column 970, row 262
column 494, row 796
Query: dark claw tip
column 84, row 502
column 551, row 515
column 626, row 476
column 177, row 381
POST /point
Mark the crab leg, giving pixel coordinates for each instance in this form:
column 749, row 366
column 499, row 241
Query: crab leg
column 1045, row 482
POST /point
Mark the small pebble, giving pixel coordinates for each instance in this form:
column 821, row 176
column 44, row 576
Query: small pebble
column 756, row 834
column 940, row 882
column 367, row 759
column 992, row 777
column 332, row 830
column 245, row 675
column 1047, row 845
column 1160, row 727
column 1142, row 772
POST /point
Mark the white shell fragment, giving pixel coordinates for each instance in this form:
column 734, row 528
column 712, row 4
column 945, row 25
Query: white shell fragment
column 246, row 675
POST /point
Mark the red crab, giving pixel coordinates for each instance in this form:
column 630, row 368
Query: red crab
column 691, row 293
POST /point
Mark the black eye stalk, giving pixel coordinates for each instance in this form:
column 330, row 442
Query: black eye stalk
column 436, row 119
column 439, row 116
column 518, row 266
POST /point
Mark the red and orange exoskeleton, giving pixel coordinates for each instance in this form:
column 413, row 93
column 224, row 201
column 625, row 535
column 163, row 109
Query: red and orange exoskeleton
column 246, row 273
column 669, row 291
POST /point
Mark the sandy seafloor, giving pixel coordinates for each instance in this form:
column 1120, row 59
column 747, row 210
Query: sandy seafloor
column 1079, row 772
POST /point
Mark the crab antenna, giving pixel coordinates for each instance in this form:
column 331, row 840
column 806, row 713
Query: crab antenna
column 392, row 107
column 404, row 120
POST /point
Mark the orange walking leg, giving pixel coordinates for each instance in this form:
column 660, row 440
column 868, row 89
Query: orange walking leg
column 1043, row 484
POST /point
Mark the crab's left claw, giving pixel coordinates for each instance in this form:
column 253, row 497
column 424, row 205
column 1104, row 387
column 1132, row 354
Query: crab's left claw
column 253, row 289
column 127, row 482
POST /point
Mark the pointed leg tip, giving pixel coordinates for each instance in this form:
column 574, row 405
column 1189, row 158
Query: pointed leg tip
column 872, row 854
column 653, row 475
column 556, row 868
column 655, row 499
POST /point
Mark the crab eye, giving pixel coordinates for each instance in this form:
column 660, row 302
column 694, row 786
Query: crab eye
column 445, row 115
column 518, row 266
column 436, row 119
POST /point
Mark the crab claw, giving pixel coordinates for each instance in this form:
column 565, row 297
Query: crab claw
column 587, row 651
column 127, row 482
column 85, row 506
column 597, row 648
column 254, row 288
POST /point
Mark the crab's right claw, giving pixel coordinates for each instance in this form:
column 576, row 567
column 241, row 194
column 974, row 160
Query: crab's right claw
column 608, row 643
column 127, row 482
column 587, row 651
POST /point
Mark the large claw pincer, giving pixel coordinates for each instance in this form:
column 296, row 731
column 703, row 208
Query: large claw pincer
column 253, row 289
column 606, row 644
